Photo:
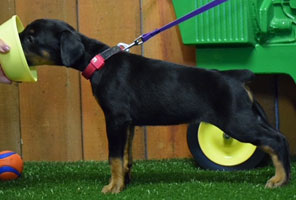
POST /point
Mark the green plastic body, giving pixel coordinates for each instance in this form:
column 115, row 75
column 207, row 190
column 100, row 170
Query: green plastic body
column 242, row 34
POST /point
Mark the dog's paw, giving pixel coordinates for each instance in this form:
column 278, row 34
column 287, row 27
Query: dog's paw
column 113, row 188
column 275, row 182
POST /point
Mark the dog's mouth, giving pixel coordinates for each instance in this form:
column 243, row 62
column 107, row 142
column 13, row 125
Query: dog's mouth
column 29, row 58
column 38, row 60
column 34, row 59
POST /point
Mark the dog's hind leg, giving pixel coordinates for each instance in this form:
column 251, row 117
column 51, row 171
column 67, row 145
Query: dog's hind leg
column 278, row 149
column 128, row 154
column 281, row 176
column 117, row 139
column 258, row 132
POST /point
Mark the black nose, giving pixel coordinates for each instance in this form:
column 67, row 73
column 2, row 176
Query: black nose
column 21, row 39
column 29, row 63
column 21, row 36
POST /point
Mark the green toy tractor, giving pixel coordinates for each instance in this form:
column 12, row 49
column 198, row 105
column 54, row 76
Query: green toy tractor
column 259, row 35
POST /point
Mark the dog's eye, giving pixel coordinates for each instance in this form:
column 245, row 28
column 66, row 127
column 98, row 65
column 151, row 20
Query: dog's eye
column 30, row 39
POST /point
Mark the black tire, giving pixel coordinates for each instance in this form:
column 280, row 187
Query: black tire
column 256, row 159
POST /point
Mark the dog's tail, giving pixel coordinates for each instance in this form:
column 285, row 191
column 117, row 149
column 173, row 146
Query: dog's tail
column 243, row 75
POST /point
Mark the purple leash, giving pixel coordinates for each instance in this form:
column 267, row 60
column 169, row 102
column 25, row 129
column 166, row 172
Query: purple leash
column 143, row 38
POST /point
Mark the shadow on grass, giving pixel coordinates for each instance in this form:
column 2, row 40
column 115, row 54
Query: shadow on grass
column 188, row 172
column 144, row 172
column 202, row 176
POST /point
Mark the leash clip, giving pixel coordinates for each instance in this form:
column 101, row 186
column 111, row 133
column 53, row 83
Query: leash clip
column 137, row 41
column 124, row 46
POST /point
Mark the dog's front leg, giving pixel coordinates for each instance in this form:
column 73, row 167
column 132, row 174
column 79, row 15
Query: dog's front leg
column 128, row 155
column 117, row 138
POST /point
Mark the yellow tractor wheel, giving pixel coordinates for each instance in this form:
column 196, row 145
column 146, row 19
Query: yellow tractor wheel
column 214, row 149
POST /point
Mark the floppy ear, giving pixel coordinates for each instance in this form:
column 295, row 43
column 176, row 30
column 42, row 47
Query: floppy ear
column 71, row 48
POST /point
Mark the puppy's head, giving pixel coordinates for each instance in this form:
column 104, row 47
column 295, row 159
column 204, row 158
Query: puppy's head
column 51, row 42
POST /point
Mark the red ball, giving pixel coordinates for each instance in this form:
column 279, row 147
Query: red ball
column 11, row 165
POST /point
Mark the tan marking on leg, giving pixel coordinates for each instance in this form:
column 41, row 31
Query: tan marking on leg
column 280, row 177
column 116, row 184
column 128, row 154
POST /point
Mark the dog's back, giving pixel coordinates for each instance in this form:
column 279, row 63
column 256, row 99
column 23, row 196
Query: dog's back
column 242, row 75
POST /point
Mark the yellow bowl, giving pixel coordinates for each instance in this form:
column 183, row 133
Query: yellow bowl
column 14, row 63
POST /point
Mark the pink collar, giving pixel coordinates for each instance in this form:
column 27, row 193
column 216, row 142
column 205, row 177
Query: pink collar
column 95, row 64
column 98, row 61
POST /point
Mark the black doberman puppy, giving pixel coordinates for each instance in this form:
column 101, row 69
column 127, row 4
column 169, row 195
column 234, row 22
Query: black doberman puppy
column 134, row 91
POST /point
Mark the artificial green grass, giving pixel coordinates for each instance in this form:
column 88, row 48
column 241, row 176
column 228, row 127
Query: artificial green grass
column 167, row 179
